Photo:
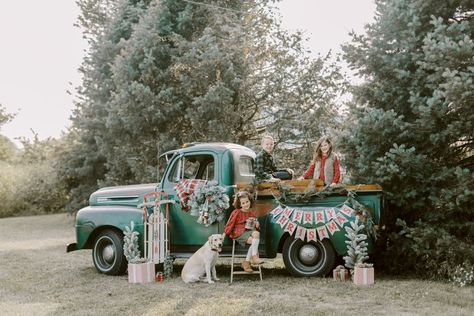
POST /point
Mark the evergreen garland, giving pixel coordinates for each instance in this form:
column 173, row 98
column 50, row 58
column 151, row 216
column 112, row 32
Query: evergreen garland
column 356, row 245
column 130, row 244
column 209, row 202
column 168, row 266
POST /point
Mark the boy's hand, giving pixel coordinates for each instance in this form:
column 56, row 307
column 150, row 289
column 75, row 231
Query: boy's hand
column 272, row 179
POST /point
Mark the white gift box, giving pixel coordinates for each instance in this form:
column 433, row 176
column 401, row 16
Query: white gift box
column 363, row 276
column 141, row 272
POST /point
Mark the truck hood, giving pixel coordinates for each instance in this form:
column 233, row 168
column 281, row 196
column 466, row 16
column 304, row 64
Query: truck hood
column 127, row 195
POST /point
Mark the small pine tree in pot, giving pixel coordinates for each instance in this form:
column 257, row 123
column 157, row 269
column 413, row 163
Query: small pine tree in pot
column 363, row 273
column 356, row 244
column 139, row 269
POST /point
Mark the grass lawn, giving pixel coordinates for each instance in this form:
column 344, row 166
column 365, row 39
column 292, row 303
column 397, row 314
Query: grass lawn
column 38, row 277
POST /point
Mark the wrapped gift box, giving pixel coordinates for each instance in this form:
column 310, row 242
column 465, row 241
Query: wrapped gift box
column 141, row 272
column 340, row 274
column 363, row 275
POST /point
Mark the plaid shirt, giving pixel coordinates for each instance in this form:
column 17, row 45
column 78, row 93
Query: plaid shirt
column 236, row 223
column 264, row 166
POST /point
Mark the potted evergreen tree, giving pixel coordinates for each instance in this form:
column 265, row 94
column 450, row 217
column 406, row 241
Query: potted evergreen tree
column 139, row 269
column 363, row 273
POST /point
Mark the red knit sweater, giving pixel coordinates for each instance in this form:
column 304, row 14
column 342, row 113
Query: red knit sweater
column 235, row 226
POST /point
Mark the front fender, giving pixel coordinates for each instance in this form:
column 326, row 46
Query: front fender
column 91, row 220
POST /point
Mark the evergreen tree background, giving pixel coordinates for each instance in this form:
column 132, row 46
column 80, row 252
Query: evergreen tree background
column 410, row 128
column 163, row 73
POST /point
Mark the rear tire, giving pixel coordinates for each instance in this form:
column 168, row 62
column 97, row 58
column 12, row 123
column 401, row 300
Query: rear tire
column 107, row 253
column 314, row 258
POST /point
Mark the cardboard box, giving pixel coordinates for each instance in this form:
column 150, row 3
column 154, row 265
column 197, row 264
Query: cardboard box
column 141, row 272
column 363, row 276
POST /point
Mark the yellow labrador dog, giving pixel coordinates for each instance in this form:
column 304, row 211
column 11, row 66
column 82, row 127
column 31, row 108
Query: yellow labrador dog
column 203, row 262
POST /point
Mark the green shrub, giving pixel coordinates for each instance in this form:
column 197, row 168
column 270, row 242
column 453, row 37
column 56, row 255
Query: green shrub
column 424, row 250
column 30, row 189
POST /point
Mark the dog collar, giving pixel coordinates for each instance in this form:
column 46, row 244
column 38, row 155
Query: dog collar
column 213, row 249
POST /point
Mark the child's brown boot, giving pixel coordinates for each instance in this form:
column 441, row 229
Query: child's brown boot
column 255, row 260
column 246, row 266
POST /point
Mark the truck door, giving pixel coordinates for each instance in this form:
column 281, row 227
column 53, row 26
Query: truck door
column 186, row 234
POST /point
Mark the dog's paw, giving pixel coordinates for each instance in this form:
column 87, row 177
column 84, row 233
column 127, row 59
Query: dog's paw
column 216, row 279
column 210, row 281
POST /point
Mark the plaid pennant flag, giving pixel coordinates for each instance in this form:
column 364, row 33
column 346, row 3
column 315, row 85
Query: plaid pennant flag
column 347, row 210
column 300, row 232
column 287, row 212
column 341, row 219
column 277, row 211
column 330, row 213
column 297, row 216
column 308, row 218
column 322, row 232
column 332, row 227
column 319, row 217
column 311, row 234
column 290, row 227
column 282, row 221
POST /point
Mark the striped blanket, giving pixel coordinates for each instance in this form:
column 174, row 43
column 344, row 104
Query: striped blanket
column 184, row 190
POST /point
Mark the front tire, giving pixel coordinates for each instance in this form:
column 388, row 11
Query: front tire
column 314, row 258
column 107, row 253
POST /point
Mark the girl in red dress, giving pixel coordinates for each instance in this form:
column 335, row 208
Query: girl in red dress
column 243, row 227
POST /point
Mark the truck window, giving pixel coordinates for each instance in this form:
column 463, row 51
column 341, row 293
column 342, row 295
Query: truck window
column 244, row 170
column 209, row 171
column 193, row 167
column 246, row 166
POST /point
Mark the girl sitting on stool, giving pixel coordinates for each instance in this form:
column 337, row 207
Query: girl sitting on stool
column 243, row 227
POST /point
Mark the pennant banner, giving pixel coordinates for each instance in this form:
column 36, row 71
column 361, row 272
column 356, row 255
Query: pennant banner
column 332, row 220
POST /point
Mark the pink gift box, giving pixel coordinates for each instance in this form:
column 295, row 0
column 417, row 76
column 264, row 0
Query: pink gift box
column 363, row 276
column 340, row 274
column 141, row 272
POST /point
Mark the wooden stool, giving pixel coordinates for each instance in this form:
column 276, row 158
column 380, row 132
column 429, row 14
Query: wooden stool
column 232, row 272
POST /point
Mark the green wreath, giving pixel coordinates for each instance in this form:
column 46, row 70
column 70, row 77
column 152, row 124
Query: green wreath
column 209, row 202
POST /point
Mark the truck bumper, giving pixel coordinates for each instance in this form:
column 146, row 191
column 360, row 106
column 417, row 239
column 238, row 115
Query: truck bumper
column 71, row 247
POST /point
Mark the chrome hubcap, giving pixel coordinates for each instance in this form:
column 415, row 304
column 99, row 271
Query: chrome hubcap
column 308, row 254
column 108, row 253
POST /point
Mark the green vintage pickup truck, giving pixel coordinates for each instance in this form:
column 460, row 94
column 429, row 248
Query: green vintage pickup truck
column 307, row 229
